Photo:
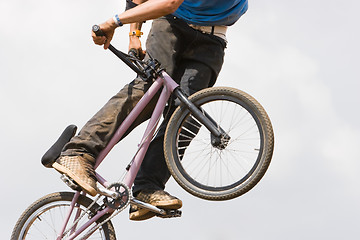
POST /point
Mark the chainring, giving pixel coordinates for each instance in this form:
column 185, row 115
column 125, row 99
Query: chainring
column 124, row 196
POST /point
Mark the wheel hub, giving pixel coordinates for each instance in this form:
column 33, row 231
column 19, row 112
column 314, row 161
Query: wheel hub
column 220, row 142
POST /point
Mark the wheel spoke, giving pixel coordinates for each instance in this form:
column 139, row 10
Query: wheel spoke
column 219, row 168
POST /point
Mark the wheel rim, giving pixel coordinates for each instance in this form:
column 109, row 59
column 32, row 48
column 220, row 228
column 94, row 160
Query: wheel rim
column 46, row 222
column 211, row 168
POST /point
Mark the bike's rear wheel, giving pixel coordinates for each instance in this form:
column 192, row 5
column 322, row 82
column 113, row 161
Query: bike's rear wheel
column 213, row 172
column 45, row 217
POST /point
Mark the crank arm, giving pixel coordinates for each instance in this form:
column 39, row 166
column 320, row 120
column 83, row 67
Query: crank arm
column 108, row 193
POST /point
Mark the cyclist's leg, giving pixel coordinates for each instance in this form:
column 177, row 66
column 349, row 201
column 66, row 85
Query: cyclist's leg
column 78, row 157
column 98, row 131
column 153, row 174
column 164, row 44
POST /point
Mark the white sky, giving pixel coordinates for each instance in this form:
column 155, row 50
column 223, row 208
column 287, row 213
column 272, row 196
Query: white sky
column 298, row 58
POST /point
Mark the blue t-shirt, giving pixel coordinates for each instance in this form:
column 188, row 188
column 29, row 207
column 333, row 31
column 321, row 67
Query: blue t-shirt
column 211, row 12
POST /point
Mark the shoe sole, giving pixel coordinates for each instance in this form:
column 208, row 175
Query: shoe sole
column 172, row 204
column 144, row 214
column 86, row 187
column 141, row 214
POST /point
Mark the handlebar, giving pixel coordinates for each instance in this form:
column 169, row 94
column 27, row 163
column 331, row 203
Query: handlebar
column 98, row 32
column 124, row 57
column 146, row 70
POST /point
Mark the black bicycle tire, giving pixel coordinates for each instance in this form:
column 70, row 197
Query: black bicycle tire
column 108, row 228
column 174, row 163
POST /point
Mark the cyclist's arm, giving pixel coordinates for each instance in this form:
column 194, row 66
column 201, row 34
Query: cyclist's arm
column 146, row 10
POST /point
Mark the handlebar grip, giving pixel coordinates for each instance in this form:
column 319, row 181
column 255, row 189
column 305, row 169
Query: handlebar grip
column 96, row 29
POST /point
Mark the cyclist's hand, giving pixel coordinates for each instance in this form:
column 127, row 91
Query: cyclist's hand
column 135, row 43
column 108, row 28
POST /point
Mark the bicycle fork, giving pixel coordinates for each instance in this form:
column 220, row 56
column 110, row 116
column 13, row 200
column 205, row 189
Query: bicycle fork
column 219, row 138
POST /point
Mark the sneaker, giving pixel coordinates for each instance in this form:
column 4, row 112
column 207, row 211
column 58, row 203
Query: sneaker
column 80, row 169
column 158, row 198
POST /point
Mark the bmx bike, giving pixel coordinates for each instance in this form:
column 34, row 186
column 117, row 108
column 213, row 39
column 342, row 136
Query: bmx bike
column 218, row 144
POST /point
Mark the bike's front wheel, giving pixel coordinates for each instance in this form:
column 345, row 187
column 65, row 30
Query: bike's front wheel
column 219, row 171
column 45, row 218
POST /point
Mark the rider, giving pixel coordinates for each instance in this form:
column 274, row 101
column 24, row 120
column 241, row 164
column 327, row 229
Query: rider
column 188, row 37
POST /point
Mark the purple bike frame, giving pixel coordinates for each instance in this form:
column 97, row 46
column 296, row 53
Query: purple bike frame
column 168, row 84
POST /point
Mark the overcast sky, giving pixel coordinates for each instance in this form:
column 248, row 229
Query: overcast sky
column 300, row 59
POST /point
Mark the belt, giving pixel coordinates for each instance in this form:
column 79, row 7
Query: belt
column 219, row 31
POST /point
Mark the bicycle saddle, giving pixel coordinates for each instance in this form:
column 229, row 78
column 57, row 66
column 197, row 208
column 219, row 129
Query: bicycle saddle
column 54, row 151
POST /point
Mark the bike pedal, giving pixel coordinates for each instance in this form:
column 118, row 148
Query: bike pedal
column 70, row 182
column 170, row 213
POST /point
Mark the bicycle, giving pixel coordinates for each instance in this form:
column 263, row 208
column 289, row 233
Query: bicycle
column 218, row 145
